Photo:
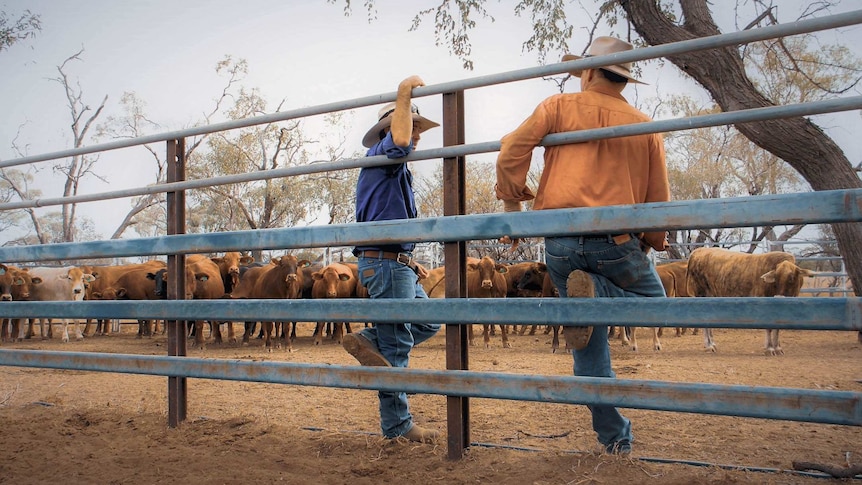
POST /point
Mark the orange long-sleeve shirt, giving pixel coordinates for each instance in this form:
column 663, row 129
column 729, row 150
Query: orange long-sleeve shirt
column 627, row 170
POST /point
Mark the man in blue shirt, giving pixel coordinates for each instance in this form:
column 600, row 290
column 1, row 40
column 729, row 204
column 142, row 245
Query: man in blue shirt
column 385, row 193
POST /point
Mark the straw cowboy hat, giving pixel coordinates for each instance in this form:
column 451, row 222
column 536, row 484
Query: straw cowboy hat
column 384, row 120
column 603, row 46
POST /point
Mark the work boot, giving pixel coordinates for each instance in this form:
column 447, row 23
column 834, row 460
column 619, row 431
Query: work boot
column 579, row 284
column 422, row 435
column 364, row 350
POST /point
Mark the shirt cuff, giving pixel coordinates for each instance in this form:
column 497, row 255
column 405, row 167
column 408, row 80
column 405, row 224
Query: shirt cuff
column 512, row 206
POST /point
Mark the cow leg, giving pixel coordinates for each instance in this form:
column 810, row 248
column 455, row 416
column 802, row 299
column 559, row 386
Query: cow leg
column 338, row 331
column 215, row 331
column 248, row 330
column 65, row 330
column 624, row 335
column 470, row 341
column 318, row 332
column 89, row 326
column 78, row 334
column 773, row 347
column 267, row 328
column 292, row 330
column 656, row 342
column 504, row 335
column 555, row 341
column 200, row 340
column 708, row 343
column 486, row 334
column 632, row 337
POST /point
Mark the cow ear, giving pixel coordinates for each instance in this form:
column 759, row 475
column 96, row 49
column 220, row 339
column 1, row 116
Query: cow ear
column 36, row 280
column 88, row 277
column 246, row 260
column 502, row 269
column 2, row 269
column 472, row 266
column 542, row 267
column 806, row 272
column 275, row 260
column 121, row 292
column 345, row 277
column 97, row 295
column 317, row 275
column 202, row 277
column 18, row 281
column 769, row 277
column 217, row 260
column 303, row 264
column 151, row 276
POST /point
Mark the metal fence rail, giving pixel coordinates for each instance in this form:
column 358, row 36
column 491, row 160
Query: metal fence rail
column 831, row 407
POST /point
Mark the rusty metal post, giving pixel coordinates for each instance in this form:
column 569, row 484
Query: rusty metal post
column 176, row 219
column 454, row 203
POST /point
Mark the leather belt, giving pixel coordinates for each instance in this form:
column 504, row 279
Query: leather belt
column 616, row 238
column 404, row 258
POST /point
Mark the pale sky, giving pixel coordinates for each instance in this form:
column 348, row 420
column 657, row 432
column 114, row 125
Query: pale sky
column 306, row 52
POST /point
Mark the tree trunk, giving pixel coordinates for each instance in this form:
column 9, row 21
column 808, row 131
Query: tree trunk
column 721, row 71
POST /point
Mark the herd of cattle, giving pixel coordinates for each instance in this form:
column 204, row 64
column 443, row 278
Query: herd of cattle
column 709, row 272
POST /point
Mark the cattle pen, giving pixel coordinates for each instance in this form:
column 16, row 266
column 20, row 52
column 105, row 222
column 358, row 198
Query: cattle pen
column 458, row 383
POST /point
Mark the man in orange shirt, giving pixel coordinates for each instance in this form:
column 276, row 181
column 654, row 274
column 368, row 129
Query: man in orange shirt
column 628, row 170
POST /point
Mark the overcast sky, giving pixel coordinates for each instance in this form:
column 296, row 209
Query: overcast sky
column 306, row 52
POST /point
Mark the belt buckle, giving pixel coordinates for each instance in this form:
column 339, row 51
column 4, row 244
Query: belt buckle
column 403, row 258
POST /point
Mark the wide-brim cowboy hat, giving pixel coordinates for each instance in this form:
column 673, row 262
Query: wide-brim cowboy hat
column 384, row 120
column 603, row 46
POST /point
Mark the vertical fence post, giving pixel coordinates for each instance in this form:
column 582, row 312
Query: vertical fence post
column 455, row 253
column 176, row 221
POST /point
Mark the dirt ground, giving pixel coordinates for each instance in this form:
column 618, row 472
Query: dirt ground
column 91, row 427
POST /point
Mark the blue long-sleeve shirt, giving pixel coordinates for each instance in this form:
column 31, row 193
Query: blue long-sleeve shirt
column 385, row 193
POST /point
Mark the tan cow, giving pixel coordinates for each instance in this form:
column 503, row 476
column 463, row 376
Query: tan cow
column 335, row 280
column 59, row 284
column 673, row 278
column 716, row 272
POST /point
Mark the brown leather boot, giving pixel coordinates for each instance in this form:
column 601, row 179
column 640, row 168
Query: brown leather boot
column 422, row 435
column 364, row 351
column 579, row 285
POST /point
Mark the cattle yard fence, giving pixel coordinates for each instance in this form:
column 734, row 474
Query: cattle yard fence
column 454, row 229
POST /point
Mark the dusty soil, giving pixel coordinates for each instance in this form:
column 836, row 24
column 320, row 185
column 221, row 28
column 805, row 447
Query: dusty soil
column 90, row 427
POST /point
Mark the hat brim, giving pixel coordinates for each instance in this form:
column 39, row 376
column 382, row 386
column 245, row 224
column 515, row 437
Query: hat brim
column 373, row 134
column 613, row 69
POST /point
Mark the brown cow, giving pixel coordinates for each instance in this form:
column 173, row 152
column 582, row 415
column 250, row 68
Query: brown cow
column 486, row 279
column 335, row 280
column 228, row 266
column 15, row 285
column 104, row 285
column 716, row 272
column 525, row 280
column 133, row 284
column 203, row 282
column 284, row 279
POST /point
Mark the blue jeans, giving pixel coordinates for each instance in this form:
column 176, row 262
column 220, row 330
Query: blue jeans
column 385, row 278
column 618, row 271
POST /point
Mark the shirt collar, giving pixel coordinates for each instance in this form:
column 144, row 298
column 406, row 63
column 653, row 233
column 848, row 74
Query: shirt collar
column 606, row 90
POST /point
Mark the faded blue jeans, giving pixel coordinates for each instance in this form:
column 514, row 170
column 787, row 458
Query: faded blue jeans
column 618, row 271
column 385, row 278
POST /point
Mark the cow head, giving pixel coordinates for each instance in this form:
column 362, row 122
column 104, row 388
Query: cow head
column 487, row 268
column 331, row 276
column 161, row 283
column 533, row 277
column 786, row 279
column 228, row 266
